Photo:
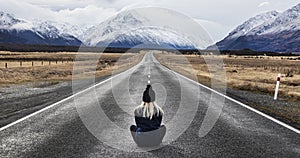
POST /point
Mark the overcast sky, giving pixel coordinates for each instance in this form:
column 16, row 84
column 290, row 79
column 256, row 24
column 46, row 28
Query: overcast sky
column 218, row 17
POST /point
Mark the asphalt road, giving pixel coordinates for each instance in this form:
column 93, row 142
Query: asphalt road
column 61, row 131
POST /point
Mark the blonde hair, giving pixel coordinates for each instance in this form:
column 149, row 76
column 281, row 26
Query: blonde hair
column 148, row 110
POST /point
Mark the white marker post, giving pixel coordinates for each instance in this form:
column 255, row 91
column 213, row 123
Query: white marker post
column 277, row 87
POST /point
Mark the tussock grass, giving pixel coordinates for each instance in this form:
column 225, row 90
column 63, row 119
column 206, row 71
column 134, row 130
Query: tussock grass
column 253, row 74
column 60, row 66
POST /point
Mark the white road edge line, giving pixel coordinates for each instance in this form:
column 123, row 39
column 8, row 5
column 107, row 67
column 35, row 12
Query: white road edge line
column 227, row 97
column 63, row 100
column 238, row 102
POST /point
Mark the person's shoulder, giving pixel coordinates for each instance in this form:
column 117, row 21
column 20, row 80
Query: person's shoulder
column 138, row 111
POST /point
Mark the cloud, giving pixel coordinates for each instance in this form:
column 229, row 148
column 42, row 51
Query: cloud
column 25, row 10
column 84, row 15
column 214, row 29
column 88, row 15
column 263, row 4
column 57, row 5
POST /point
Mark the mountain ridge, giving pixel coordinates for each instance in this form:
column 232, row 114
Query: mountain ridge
column 130, row 29
column 19, row 31
column 278, row 33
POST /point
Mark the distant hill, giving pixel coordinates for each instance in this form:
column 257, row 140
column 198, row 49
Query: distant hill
column 271, row 31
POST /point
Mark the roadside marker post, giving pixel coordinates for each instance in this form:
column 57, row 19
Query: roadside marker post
column 277, row 87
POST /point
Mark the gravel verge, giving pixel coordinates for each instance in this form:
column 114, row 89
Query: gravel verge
column 280, row 109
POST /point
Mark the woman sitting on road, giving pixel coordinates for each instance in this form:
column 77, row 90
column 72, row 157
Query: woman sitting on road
column 148, row 116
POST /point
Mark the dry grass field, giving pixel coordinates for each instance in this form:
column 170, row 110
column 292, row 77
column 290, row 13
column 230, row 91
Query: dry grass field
column 255, row 74
column 20, row 67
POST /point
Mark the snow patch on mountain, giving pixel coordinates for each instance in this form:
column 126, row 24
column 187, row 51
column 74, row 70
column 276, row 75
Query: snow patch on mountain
column 130, row 29
column 286, row 21
column 253, row 22
column 149, row 37
column 67, row 28
column 109, row 29
column 7, row 20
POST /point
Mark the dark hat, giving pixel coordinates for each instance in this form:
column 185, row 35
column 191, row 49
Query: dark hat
column 149, row 94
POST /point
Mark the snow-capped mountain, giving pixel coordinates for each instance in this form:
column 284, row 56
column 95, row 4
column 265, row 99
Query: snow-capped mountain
column 148, row 37
column 278, row 32
column 67, row 28
column 7, row 20
column 108, row 29
column 131, row 29
column 13, row 30
column 286, row 21
column 253, row 22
